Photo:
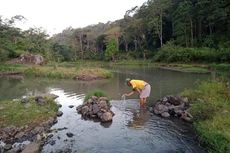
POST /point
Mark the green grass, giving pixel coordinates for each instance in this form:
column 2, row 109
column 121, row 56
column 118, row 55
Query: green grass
column 80, row 63
column 14, row 113
column 59, row 72
column 191, row 68
column 10, row 67
column 98, row 93
column 211, row 111
column 133, row 62
column 220, row 67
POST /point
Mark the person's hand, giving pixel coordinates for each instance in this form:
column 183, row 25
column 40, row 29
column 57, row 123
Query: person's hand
column 124, row 95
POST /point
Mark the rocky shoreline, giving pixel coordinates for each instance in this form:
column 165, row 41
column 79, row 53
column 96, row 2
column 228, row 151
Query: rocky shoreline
column 27, row 139
column 173, row 106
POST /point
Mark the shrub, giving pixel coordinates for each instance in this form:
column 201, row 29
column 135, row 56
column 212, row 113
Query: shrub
column 171, row 53
column 211, row 110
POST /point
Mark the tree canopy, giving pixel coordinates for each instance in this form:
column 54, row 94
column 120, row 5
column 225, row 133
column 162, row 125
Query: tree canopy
column 142, row 32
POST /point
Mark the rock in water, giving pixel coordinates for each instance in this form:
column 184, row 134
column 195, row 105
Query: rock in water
column 84, row 110
column 59, row 113
column 106, row 117
column 173, row 106
column 69, row 134
column 96, row 107
column 71, row 106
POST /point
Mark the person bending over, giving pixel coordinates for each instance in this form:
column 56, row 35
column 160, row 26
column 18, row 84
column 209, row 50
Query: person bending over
column 141, row 87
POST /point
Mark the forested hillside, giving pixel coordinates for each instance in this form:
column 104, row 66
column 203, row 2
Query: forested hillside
column 162, row 30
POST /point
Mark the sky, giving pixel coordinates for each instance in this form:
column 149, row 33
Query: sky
column 56, row 15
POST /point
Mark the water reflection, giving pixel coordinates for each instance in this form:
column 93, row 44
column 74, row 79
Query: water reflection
column 140, row 117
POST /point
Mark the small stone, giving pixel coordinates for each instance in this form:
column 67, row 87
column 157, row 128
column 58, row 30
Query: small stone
column 150, row 109
column 52, row 142
column 165, row 99
column 55, row 121
column 103, row 98
column 25, row 100
column 50, row 136
column 71, row 106
column 38, row 137
column 7, row 147
column 95, row 108
column 90, row 101
column 31, row 148
column 40, row 100
column 19, row 135
column 84, row 110
column 103, row 104
column 165, row 114
column 59, row 113
column 185, row 99
column 94, row 98
column 106, row 117
column 69, row 134
column 93, row 116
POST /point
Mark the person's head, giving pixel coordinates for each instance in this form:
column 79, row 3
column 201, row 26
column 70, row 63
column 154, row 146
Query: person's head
column 128, row 81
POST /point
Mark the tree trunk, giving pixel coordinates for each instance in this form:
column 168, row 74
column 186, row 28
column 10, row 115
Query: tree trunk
column 200, row 29
column 210, row 28
column 191, row 30
column 186, row 40
column 135, row 43
column 126, row 46
column 161, row 28
column 81, row 45
column 117, row 40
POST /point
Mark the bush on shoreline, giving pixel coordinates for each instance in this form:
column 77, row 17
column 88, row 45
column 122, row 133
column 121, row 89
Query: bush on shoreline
column 171, row 53
column 211, row 111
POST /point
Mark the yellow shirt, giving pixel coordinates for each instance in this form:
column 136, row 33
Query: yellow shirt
column 139, row 84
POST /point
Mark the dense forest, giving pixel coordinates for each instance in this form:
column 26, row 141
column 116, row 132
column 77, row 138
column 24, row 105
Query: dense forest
column 161, row 30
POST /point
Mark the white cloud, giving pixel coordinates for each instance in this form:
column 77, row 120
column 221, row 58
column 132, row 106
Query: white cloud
column 56, row 15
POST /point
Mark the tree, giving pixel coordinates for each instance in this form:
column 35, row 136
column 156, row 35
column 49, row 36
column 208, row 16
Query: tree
column 111, row 50
column 157, row 10
column 183, row 23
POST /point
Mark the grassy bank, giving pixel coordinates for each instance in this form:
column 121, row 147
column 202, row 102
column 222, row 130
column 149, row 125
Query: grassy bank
column 15, row 113
column 189, row 68
column 65, row 71
column 97, row 68
column 211, row 109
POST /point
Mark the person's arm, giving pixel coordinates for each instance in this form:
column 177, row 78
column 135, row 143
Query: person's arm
column 138, row 90
column 128, row 94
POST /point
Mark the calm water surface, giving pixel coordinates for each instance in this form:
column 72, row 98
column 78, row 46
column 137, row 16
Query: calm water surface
column 133, row 130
